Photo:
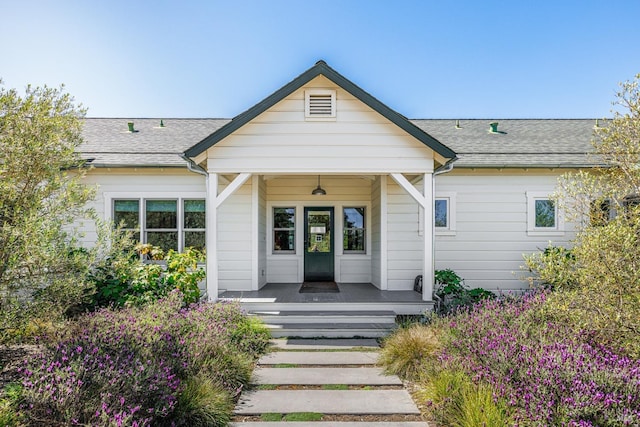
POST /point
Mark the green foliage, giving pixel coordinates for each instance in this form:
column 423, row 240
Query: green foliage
column 454, row 400
column 203, row 403
column 251, row 335
column 303, row 416
column 41, row 195
column 453, row 293
column 125, row 280
column 10, row 399
column 554, row 267
column 599, row 279
column 408, row 350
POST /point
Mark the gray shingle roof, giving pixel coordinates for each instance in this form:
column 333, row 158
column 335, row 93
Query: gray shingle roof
column 518, row 143
column 525, row 143
column 109, row 142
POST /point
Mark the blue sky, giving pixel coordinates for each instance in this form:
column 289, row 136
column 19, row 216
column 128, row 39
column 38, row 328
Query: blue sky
column 425, row 59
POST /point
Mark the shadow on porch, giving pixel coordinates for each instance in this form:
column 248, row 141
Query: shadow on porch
column 358, row 309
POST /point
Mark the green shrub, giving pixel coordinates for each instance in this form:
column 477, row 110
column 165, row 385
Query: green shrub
column 554, row 267
column 10, row 399
column 251, row 336
column 453, row 293
column 408, row 350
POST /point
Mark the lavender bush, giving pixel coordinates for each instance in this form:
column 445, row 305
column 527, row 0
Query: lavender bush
column 130, row 367
column 546, row 373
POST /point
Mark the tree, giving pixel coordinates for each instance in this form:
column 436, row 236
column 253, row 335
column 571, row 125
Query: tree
column 599, row 278
column 41, row 194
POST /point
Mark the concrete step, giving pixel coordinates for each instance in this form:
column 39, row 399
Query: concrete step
column 324, row 344
column 349, row 402
column 323, row 376
column 319, row 358
column 323, row 329
column 325, row 316
column 331, row 423
column 270, row 304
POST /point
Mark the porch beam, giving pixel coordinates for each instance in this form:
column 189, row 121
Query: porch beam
column 231, row 188
column 409, row 188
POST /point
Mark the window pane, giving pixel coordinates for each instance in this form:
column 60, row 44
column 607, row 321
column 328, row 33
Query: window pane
column 194, row 214
column 440, row 214
column 126, row 212
column 354, row 239
column 283, row 240
column 162, row 214
column 284, row 217
column 165, row 240
column 354, row 229
column 545, row 214
column 354, row 217
column 194, row 239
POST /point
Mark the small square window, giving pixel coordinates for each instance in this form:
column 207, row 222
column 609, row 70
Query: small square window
column 441, row 214
column 543, row 216
column 444, row 213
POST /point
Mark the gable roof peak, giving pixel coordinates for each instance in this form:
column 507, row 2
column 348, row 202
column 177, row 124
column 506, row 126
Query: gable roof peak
column 320, row 68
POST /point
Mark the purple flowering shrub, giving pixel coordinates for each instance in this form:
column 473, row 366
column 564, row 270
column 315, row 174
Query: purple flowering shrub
column 129, row 367
column 546, row 373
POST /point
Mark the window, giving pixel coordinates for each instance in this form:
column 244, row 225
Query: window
column 320, row 104
column 441, row 214
column 542, row 215
column 168, row 223
column 284, row 230
column 444, row 213
column 354, row 230
column 194, row 224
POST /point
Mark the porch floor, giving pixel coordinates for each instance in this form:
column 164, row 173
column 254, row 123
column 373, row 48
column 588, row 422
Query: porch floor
column 349, row 293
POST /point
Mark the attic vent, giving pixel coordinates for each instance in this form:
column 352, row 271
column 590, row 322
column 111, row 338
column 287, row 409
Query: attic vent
column 320, row 104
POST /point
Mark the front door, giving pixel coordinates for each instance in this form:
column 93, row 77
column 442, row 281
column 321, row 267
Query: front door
column 318, row 244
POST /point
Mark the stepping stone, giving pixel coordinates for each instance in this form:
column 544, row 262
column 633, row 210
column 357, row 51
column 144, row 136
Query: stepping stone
column 349, row 402
column 319, row 376
column 320, row 358
column 331, row 423
column 324, row 344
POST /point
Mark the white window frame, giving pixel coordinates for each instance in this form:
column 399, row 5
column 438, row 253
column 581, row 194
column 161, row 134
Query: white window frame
column 307, row 97
column 450, row 229
column 532, row 230
column 142, row 197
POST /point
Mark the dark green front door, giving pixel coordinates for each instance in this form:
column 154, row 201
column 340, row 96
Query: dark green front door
column 318, row 244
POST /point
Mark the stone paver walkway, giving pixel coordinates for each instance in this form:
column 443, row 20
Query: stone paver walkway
column 342, row 385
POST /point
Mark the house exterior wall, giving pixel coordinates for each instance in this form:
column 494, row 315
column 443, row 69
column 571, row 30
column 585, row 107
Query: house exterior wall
column 359, row 140
column 114, row 183
column 405, row 238
column 491, row 234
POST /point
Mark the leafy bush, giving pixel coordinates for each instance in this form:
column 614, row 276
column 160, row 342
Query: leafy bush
column 453, row 293
column 125, row 280
column 158, row 364
column 554, row 267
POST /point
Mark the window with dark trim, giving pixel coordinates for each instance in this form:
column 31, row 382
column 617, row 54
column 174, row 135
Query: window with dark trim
column 284, row 230
column 167, row 223
column 354, row 230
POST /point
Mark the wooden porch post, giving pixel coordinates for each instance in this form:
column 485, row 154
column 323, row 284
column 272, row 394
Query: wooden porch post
column 428, row 269
column 212, row 237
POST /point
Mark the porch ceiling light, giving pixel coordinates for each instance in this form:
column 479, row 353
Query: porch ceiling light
column 319, row 191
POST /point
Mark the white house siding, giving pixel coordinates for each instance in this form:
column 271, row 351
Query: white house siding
column 235, row 255
column 359, row 140
column 491, row 226
column 405, row 239
column 113, row 183
column 295, row 191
